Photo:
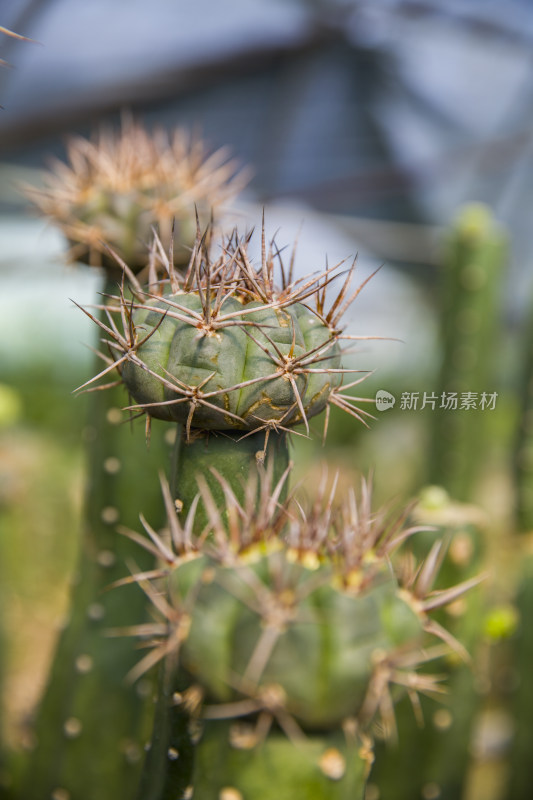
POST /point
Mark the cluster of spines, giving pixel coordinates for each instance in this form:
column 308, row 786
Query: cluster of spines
column 253, row 546
column 348, row 548
column 230, row 275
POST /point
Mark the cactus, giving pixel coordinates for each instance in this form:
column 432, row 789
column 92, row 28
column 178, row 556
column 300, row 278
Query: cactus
column 299, row 623
column 521, row 696
column 473, row 263
column 91, row 726
column 118, row 187
column 228, row 355
column 291, row 626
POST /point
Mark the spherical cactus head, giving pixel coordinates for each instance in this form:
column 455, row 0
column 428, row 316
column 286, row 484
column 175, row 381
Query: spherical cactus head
column 295, row 611
column 119, row 186
column 222, row 346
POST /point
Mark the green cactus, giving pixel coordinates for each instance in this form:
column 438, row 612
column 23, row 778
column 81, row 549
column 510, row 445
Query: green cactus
column 228, row 354
column 521, row 695
column 521, row 646
column 473, row 263
column 233, row 456
column 291, row 626
column 253, row 371
column 295, row 621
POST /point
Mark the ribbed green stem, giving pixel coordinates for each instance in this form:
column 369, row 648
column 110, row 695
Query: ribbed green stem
column 473, row 264
column 91, row 726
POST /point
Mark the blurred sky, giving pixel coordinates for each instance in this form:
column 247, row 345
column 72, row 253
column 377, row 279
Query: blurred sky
column 383, row 116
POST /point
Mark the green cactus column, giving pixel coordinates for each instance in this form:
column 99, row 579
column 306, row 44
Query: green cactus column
column 92, row 725
column 10, row 413
column 521, row 700
column 473, row 262
column 228, row 455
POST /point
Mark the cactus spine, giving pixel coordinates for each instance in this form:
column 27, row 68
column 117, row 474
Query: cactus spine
column 473, row 263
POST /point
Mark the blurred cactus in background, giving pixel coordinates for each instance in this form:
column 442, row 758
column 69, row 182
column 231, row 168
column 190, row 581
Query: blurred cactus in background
column 473, row 264
column 115, row 189
column 523, row 445
column 520, row 697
